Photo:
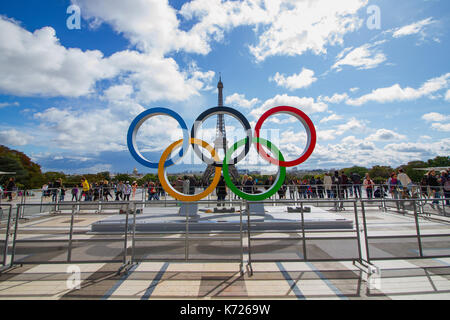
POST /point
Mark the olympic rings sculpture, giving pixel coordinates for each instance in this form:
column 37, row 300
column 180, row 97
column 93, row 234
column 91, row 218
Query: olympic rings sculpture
column 189, row 139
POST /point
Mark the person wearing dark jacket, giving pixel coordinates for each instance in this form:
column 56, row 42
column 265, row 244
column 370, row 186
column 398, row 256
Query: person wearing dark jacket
column 10, row 188
column 249, row 185
column 356, row 180
column 434, row 184
column 221, row 191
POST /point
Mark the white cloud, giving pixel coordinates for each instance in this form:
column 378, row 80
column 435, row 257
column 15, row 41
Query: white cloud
column 358, row 143
column 354, row 151
column 9, row 104
column 45, row 68
column 364, row 57
column 447, row 96
column 297, row 81
column 118, row 92
column 422, row 150
column 79, row 131
column 413, row 28
column 12, row 137
column 155, row 78
column 326, row 135
column 300, row 26
column 397, row 93
column 333, row 117
column 307, row 105
column 352, row 125
column 240, row 100
column 435, row 117
column 385, row 135
column 151, row 25
column 336, row 98
column 445, row 127
column 353, row 90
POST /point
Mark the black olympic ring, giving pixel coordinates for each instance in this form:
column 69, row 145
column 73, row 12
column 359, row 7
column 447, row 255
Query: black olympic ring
column 229, row 111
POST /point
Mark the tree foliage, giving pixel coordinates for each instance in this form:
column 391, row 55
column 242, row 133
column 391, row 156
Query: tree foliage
column 28, row 174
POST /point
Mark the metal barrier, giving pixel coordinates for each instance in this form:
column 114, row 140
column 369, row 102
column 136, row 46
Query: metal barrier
column 34, row 244
column 5, row 224
column 307, row 245
column 189, row 245
column 408, row 242
column 28, row 239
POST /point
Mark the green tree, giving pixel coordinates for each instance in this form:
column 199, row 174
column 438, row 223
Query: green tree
column 123, row 177
column 28, row 173
column 359, row 170
column 53, row 176
column 380, row 172
column 439, row 162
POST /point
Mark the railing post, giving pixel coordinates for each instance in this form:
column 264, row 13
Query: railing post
column 355, row 208
column 125, row 245
column 247, row 207
column 5, row 250
column 42, row 198
column 363, row 210
column 186, row 236
column 419, row 239
column 303, row 232
column 69, row 251
column 13, row 252
column 241, row 266
column 134, row 231
column 24, row 199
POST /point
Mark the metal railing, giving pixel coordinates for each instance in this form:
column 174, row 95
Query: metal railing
column 387, row 250
column 5, row 224
column 307, row 241
column 26, row 240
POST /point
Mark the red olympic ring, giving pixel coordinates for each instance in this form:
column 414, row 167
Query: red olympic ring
column 307, row 123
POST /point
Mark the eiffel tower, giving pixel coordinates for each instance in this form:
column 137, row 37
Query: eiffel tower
column 221, row 142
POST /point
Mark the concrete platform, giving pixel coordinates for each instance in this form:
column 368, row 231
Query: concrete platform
column 275, row 219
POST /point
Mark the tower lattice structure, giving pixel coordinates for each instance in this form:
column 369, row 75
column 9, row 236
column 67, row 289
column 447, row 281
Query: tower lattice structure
column 221, row 141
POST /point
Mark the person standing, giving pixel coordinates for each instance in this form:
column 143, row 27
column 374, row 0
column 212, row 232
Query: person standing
column 86, row 189
column 221, row 192
column 249, row 185
column 446, row 186
column 127, row 191
column 292, row 189
column 134, row 188
column 10, row 188
column 405, row 185
column 356, row 181
column 319, row 183
column 344, row 185
column 405, row 181
column 368, row 185
column 75, row 193
column 186, row 184
column 152, row 192
column 328, row 182
column 434, row 184
column 55, row 190
column 393, row 184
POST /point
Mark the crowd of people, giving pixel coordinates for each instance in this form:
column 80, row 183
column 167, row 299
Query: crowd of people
column 101, row 191
column 335, row 185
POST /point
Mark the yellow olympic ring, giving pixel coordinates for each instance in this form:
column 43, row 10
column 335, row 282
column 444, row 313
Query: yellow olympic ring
column 168, row 187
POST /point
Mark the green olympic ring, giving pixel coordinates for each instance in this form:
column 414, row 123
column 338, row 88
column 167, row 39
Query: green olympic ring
column 261, row 196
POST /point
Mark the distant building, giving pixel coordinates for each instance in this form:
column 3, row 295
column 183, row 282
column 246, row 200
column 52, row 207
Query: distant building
column 136, row 175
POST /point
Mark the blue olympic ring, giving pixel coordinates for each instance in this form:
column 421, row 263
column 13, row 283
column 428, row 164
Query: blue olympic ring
column 137, row 123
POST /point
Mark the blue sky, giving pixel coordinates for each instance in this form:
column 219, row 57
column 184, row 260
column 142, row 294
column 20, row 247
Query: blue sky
column 373, row 76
